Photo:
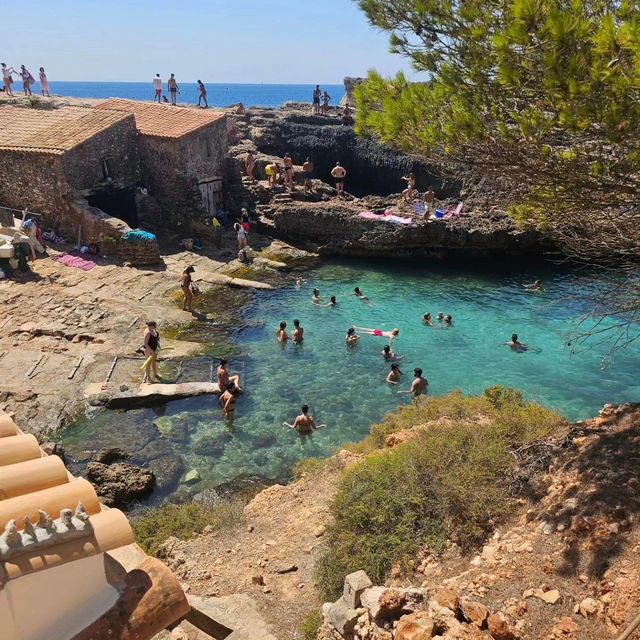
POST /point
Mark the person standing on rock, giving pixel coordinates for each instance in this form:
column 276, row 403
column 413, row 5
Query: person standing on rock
column 185, row 285
column 7, row 72
column 307, row 171
column 242, row 236
column 202, row 95
column 157, row 88
column 273, row 171
column 44, row 83
column 27, row 80
column 151, row 348
column 326, row 98
column 174, row 90
column 339, row 173
column 429, row 202
column 288, row 171
column 407, row 194
column 316, row 100
column 249, row 164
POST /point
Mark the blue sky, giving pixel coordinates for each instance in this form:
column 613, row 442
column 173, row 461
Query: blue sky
column 277, row 41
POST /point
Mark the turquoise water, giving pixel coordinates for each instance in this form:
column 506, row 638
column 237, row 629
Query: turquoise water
column 218, row 94
column 345, row 387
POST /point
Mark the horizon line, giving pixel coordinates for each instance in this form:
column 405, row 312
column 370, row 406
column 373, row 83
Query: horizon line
column 273, row 84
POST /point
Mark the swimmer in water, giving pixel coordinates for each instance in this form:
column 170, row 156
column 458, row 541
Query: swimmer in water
column 395, row 375
column 298, row 332
column 426, row 319
column 536, row 286
column 228, row 400
column 419, row 385
column 281, row 333
column 304, row 424
column 351, row 338
column 440, row 316
column 358, row 294
column 299, row 282
column 448, row 321
column 388, row 355
column 378, row 332
column 332, row 302
column 517, row 346
column 315, row 297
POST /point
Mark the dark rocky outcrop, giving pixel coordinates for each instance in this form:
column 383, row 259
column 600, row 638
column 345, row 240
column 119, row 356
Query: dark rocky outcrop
column 120, row 484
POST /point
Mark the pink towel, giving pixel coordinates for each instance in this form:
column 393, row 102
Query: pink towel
column 75, row 261
column 387, row 217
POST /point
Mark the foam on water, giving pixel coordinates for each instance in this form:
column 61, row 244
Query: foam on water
column 346, row 388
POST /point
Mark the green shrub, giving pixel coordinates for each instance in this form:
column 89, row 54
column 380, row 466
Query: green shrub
column 448, row 483
column 154, row 526
column 311, row 625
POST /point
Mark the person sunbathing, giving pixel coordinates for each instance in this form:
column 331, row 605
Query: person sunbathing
column 379, row 333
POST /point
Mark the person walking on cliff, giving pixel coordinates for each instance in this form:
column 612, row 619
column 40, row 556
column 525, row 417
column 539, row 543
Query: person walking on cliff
column 27, row 80
column 339, row 173
column 157, row 88
column 7, row 72
column 307, row 172
column 317, row 93
column 202, row 95
column 174, row 90
column 151, row 348
column 44, row 83
column 250, row 163
column 288, row 171
column 185, row 285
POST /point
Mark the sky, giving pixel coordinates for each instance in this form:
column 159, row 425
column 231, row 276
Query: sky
column 243, row 41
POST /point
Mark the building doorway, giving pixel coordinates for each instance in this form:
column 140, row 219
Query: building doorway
column 211, row 190
column 119, row 203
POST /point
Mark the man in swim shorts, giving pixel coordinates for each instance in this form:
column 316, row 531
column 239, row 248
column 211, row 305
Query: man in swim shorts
column 316, row 100
column 307, row 170
column 419, row 385
column 304, row 424
column 339, row 173
column 174, row 89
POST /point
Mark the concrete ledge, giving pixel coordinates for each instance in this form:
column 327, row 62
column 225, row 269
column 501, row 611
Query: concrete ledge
column 116, row 396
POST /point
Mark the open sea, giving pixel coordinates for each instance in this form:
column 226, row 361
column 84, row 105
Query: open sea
column 218, row 95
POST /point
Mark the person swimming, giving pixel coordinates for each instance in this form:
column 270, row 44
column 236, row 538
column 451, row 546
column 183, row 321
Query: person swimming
column 536, row 286
column 419, row 386
column 426, row 319
column 448, row 321
column 379, row 333
column 304, row 424
column 315, row 297
column 440, row 316
column 351, row 338
column 395, row 374
column 332, row 302
column 298, row 332
column 281, row 333
column 388, row 355
column 517, row 346
column 360, row 295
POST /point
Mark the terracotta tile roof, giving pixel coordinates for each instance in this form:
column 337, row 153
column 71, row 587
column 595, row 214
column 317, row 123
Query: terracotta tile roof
column 52, row 131
column 163, row 120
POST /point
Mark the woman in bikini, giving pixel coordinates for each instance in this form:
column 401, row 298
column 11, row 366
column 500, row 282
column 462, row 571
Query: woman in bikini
column 288, row 171
column 228, row 400
column 151, row 348
column 281, row 333
column 185, row 285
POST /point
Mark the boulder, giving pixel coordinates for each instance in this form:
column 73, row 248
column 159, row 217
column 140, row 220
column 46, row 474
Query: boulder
column 54, row 449
column 415, row 626
column 341, row 617
column 382, row 603
column 588, row 607
column 110, row 454
column 448, row 599
column 499, row 627
column 120, row 484
column 474, row 612
column 354, row 586
column 168, row 470
column 210, row 445
column 192, row 476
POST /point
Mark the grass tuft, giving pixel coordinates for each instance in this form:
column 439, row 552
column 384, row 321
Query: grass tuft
column 310, row 626
column 153, row 527
column 448, row 483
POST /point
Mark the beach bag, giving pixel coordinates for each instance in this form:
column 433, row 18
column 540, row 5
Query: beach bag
column 195, row 289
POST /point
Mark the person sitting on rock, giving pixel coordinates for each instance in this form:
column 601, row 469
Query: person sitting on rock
column 224, row 378
column 347, row 117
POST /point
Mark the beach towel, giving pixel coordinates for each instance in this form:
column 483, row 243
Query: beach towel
column 455, row 212
column 387, row 217
column 75, row 261
column 138, row 235
column 418, row 207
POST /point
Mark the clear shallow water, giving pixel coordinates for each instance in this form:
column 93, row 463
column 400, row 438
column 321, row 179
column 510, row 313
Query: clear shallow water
column 345, row 387
column 218, row 95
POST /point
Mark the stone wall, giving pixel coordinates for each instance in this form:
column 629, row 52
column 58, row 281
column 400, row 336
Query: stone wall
column 117, row 145
column 171, row 169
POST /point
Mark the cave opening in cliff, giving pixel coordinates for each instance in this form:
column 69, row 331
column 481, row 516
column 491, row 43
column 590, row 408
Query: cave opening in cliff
column 119, row 203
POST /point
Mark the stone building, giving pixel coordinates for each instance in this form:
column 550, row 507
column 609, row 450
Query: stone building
column 78, row 167
column 182, row 156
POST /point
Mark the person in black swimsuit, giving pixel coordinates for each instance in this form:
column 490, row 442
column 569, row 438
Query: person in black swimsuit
column 151, row 348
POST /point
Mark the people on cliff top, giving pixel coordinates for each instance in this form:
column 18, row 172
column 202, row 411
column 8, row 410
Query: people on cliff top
column 249, row 164
column 185, row 285
column 44, row 83
column 224, row 378
column 7, row 73
column 339, row 173
column 240, row 110
column 407, row 194
column 202, row 95
column 157, row 88
column 298, row 332
column 326, row 98
column 317, row 93
column 151, row 348
column 304, row 424
column 174, row 89
column 307, row 172
column 27, row 80
column 288, row 171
